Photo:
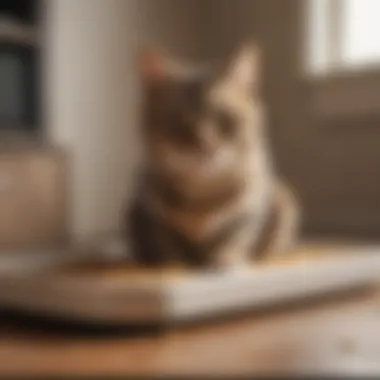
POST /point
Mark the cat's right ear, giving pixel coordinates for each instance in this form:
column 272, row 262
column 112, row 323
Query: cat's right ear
column 151, row 66
column 243, row 70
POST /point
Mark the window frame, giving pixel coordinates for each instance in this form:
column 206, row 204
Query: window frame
column 336, row 90
column 327, row 32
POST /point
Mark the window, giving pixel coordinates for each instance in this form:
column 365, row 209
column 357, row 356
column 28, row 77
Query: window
column 343, row 35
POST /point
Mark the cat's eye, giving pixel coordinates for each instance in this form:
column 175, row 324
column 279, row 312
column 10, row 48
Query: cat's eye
column 225, row 122
column 180, row 128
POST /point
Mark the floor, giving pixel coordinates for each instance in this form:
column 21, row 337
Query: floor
column 332, row 336
column 335, row 336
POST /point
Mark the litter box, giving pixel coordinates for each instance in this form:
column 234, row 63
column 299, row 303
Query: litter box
column 62, row 285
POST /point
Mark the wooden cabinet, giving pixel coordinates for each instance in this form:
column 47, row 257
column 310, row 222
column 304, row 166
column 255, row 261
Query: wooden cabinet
column 33, row 198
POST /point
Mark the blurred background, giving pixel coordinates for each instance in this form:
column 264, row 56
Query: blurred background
column 69, row 109
column 75, row 87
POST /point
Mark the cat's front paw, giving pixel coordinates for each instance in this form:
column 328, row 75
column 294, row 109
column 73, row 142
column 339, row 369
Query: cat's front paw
column 240, row 269
column 232, row 267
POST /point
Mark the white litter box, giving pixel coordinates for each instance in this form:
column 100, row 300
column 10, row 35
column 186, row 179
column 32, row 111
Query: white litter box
column 121, row 294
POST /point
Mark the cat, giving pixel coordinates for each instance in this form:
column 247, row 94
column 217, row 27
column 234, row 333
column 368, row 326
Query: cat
column 208, row 195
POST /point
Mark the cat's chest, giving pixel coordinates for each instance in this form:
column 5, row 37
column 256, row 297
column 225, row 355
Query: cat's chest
column 199, row 225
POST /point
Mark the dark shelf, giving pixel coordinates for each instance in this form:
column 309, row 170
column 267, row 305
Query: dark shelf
column 23, row 10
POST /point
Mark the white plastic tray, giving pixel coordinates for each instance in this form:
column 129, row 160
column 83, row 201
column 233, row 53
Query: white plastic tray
column 124, row 299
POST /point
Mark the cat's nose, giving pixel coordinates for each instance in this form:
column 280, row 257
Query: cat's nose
column 206, row 142
column 206, row 150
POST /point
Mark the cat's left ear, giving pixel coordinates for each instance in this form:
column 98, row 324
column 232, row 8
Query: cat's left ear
column 152, row 67
column 244, row 68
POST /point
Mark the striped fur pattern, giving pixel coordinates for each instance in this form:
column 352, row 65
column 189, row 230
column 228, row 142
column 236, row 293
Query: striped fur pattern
column 208, row 195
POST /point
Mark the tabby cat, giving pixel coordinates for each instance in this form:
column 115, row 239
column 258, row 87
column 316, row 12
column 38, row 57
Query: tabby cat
column 209, row 195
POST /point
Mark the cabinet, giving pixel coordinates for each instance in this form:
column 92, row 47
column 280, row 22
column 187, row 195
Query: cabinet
column 33, row 198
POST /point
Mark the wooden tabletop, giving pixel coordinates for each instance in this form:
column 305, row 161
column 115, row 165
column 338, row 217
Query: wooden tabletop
column 334, row 336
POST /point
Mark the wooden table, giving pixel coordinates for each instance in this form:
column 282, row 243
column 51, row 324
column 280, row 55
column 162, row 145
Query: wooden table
column 338, row 335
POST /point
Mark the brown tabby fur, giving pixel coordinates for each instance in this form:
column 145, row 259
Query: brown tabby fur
column 209, row 195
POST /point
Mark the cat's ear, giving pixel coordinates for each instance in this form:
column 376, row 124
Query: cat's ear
column 244, row 68
column 152, row 67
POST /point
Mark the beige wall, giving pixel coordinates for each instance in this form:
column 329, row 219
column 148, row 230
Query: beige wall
column 92, row 92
